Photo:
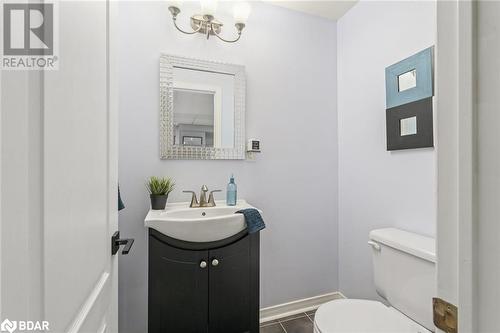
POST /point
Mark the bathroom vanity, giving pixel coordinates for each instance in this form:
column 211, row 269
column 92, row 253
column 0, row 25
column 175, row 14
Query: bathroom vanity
column 206, row 280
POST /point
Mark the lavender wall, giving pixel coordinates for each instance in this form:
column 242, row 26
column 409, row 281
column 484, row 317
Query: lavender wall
column 378, row 188
column 291, row 107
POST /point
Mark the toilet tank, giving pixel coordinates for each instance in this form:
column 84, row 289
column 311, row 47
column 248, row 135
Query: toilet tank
column 404, row 267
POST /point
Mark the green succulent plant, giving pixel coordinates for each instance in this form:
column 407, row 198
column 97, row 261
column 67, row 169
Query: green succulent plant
column 160, row 185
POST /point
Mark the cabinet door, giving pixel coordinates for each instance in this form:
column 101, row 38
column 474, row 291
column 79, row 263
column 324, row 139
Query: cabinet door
column 178, row 289
column 234, row 287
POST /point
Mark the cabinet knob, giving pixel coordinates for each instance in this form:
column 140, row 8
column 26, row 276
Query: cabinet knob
column 215, row 262
column 203, row 264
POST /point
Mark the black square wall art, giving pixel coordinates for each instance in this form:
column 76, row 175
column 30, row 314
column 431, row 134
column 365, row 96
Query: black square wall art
column 410, row 125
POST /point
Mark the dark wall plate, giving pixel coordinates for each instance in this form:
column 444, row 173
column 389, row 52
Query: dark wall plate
column 423, row 137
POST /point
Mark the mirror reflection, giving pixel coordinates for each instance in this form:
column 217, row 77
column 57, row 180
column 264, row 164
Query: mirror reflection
column 203, row 108
column 407, row 80
column 194, row 118
column 408, row 126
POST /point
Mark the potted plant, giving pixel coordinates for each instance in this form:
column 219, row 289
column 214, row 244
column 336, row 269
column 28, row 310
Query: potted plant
column 159, row 188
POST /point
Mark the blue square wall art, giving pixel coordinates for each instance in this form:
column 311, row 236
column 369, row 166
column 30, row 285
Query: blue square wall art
column 410, row 80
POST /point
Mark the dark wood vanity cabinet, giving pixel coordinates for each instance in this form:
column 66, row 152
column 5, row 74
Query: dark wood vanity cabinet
column 203, row 287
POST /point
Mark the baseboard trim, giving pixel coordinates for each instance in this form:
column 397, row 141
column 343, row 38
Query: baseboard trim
column 298, row 306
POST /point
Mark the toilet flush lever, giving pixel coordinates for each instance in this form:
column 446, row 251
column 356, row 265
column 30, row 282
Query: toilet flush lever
column 375, row 245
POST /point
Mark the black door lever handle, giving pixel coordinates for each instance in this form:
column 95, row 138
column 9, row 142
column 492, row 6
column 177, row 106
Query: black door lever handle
column 116, row 242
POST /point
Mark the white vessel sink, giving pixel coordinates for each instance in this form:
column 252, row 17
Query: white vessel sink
column 205, row 224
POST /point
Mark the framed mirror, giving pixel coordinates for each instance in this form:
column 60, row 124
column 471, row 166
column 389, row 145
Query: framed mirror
column 202, row 109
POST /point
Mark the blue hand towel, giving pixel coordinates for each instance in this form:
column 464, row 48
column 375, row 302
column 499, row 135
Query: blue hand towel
column 120, row 202
column 254, row 220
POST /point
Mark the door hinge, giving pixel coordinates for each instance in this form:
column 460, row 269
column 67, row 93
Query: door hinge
column 445, row 315
column 116, row 242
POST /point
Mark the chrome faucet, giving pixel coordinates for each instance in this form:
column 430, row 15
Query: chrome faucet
column 203, row 198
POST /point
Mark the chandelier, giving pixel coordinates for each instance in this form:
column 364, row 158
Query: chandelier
column 206, row 23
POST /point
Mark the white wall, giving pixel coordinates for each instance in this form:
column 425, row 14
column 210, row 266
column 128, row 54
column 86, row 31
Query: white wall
column 290, row 61
column 378, row 188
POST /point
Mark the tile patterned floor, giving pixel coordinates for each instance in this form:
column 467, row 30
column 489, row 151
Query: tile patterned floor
column 299, row 323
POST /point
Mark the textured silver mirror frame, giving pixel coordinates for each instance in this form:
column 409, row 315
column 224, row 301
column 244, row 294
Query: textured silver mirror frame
column 170, row 151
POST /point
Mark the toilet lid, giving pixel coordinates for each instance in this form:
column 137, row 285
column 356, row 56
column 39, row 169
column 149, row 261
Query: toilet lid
column 362, row 316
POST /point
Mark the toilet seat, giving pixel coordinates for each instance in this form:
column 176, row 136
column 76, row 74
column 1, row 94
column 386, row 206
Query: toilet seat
column 362, row 316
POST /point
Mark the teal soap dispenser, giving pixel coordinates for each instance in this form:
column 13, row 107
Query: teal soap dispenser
column 231, row 194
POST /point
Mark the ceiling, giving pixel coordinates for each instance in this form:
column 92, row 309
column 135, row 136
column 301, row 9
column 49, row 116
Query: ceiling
column 330, row 9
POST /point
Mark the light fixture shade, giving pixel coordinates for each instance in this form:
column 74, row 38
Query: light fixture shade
column 208, row 7
column 241, row 11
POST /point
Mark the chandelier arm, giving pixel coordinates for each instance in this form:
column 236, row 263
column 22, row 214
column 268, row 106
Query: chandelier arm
column 226, row 40
column 187, row 32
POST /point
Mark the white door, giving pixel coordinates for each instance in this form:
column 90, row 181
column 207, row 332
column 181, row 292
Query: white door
column 468, row 232
column 455, row 158
column 59, row 180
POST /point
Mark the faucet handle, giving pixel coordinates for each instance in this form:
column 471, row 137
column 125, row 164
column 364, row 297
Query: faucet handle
column 211, row 200
column 204, row 188
column 194, row 200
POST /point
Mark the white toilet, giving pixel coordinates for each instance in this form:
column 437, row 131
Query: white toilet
column 404, row 272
